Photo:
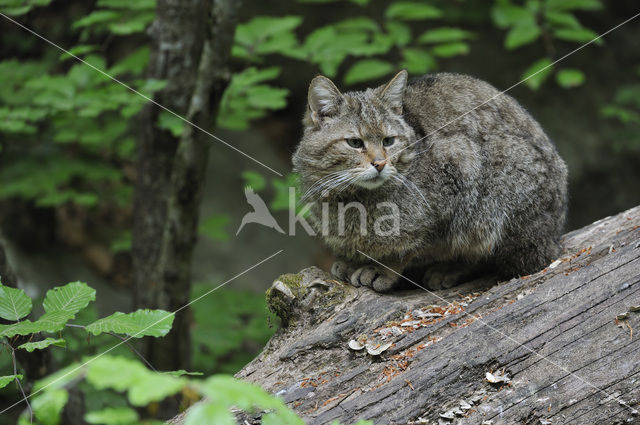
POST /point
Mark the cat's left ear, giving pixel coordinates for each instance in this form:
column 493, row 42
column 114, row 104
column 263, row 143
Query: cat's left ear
column 393, row 92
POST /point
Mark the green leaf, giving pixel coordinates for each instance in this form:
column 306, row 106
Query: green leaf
column 170, row 122
column 367, row 70
column 14, row 303
column 562, row 19
column 20, row 7
column 228, row 391
column 48, row 322
column 215, row 227
column 142, row 385
column 266, row 34
column 412, row 11
column 135, row 63
column 281, row 188
column 505, row 14
column 451, row 49
column 568, row 78
column 398, row 32
column 141, row 323
column 6, row 380
column 579, row 35
column 78, row 51
column 574, row 4
column 624, row 115
column 70, row 298
column 537, row 73
column 112, row 416
column 181, row 372
column 254, row 180
column 417, row 61
column 444, row 34
column 263, row 96
column 209, row 413
column 522, row 34
column 48, row 405
column 40, row 345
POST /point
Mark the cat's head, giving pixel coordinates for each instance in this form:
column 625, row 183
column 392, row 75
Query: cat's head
column 354, row 138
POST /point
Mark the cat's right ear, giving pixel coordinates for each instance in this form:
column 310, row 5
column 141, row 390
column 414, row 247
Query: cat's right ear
column 324, row 99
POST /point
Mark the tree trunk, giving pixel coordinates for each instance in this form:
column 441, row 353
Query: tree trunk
column 559, row 344
column 191, row 43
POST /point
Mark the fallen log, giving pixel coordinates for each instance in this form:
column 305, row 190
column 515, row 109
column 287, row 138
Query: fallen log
column 556, row 347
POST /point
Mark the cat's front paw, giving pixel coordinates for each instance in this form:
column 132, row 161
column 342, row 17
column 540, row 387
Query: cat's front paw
column 443, row 276
column 342, row 270
column 377, row 278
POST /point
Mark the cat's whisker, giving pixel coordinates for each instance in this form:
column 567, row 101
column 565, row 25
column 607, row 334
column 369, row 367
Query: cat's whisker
column 323, row 181
column 324, row 186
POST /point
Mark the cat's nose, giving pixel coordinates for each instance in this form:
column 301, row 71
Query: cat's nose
column 379, row 164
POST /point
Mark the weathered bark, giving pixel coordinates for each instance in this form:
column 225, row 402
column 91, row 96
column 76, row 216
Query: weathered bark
column 191, row 43
column 555, row 334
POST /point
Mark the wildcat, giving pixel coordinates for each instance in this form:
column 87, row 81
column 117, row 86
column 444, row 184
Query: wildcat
column 474, row 183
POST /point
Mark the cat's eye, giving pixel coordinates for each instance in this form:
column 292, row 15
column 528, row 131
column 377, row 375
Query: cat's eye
column 355, row 143
column 388, row 141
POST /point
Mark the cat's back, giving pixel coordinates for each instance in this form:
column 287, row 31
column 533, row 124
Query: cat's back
column 460, row 102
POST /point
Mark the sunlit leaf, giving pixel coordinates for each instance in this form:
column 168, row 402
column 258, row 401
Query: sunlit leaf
column 579, row 35
column 6, row 380
column 112, row 416
column 20, row 7
column 209, row 413
column 412, row 11
column 254, row 180
column 182, row 372
column 562, row 19
column 48, row 322
column 417, row 61
column 282, row 188
column 573, row 4
column 142, row 385
column 14, row 303
column 505, row 14
column 448, row 50
column 228, row 391
column 137, row 324
column 522, row 34
column 568, row 78
column 70, row 298
column 170, row 122
column 367, row 70
column 41, row 345
column 399, row 32
column 537, row 73
column 48, row 405
column 78, row 51
column 444, row 35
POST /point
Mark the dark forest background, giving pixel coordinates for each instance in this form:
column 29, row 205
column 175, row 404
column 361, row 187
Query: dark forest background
column 86, row 187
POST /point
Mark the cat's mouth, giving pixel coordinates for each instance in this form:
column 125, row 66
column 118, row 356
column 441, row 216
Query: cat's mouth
column 372, row 179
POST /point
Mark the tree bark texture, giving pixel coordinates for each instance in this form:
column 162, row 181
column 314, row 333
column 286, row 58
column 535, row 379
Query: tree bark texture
column 559, row 345
column 191, row 44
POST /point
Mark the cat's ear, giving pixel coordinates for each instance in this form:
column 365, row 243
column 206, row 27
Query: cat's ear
column 393, row 92
column 324, row 98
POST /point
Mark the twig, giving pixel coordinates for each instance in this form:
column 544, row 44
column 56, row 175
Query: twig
column 15, row 372
column 123, row 339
